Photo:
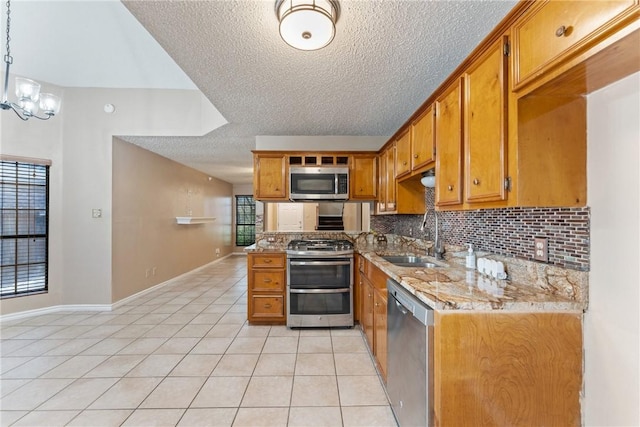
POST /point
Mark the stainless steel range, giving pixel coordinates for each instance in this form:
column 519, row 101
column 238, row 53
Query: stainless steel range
column 319, row 283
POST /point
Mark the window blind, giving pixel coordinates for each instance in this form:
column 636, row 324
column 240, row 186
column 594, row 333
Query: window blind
column 24, row 228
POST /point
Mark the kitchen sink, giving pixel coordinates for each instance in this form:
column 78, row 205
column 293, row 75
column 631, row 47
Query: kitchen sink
column 410, row 261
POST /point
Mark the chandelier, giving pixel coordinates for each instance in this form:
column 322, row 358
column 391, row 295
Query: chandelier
column 27, row 91
column 307, row 24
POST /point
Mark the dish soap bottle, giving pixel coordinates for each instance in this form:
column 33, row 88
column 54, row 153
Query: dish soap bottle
column 471, row 257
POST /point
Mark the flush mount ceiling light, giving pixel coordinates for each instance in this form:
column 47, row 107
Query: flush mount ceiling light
column 27, row 91
column 307, row 24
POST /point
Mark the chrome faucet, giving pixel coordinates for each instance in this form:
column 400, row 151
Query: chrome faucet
column 437, row 248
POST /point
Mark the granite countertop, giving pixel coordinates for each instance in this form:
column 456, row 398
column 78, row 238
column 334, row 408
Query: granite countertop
column 529, row 287
column 453, row 287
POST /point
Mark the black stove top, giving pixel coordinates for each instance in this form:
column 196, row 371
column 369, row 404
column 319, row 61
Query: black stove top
column 322, row 245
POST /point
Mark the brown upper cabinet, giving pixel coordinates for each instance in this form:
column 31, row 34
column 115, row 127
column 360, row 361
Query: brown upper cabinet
column 390, row 182
column 271, row 172
column 485, row 126
column 510, row 121
column 364, row 177
column 270, row 177
column 403, row 154
column 423, row 145
column 553, row 32
column 449, row 146
column 415, row 147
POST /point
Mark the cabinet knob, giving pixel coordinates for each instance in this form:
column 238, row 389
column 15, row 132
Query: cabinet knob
column 377, row 304
column 561, row 31
column 476, row 181
column 450, row 188
column 415, row 156
column 267, row 305
column 404, row 163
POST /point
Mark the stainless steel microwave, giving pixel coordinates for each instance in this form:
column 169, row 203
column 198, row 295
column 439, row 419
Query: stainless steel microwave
column 318, row 183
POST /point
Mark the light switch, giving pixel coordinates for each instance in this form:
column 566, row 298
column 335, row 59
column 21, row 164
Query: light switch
column 96, row 213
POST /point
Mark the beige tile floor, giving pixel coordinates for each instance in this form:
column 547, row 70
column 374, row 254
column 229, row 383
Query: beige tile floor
column 183, row 355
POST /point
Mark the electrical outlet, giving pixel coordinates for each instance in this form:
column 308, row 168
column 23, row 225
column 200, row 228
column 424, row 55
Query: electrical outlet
column 96, row 213
column 217, row 251
column 147, row 273
column 541, row 249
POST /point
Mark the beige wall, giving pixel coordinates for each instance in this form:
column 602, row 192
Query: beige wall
column 79, row 143
column 612, row 322
column 149, row 192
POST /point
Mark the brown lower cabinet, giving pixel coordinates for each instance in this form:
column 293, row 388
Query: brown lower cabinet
column 489, row 368
column 507, row 369
column 266, row 273
column 372, row 283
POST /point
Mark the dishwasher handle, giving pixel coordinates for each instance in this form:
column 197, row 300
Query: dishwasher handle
column 401, row 307
column 410, row 303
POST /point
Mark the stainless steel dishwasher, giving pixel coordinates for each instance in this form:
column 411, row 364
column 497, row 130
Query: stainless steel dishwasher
column 410, row 357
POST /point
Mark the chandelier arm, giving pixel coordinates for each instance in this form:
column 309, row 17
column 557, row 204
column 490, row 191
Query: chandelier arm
column 16, row 109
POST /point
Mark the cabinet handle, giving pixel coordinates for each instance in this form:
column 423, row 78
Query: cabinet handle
column 561, row 31
column 476, row 181
column 267, row 306
column 450, row 188
column 267, row 261
column 267, row 280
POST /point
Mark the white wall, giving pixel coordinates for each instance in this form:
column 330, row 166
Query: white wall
column 41, row 140
column 612, row 321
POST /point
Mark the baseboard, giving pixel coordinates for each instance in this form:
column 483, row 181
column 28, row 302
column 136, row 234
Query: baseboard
column 101, row 307
column 54, row 309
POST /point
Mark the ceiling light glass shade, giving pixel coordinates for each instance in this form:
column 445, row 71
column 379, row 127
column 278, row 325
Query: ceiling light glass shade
column 307, row 24
column 428, row 181
column 29, row 107
column 429, row 178
column 27, row 90
column 50, row 104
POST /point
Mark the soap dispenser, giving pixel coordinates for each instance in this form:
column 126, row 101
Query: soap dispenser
column 471, row 257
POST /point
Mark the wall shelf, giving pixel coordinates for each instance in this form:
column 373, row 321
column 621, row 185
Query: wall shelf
column 194, row 219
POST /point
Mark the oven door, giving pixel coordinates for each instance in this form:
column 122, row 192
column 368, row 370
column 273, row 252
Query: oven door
column 319, row 273
column 319, row 292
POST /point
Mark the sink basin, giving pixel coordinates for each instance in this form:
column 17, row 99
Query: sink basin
column 410, row 261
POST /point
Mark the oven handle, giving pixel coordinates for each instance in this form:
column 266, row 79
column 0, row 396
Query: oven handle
column 320, row 262
column 319, row 291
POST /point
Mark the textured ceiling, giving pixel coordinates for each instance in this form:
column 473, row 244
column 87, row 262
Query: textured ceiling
column 386, row 59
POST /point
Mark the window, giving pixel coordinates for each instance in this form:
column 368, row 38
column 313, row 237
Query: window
column 245, row 221
column 24, row 228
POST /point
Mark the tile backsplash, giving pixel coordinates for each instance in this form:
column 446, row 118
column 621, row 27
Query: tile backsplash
column 508, row 231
